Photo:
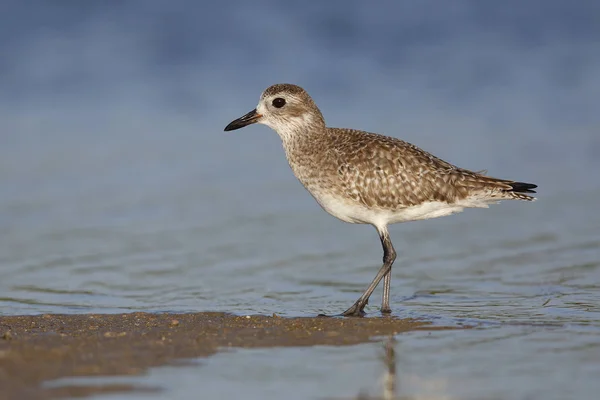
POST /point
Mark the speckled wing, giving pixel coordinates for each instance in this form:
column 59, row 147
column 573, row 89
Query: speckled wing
column 388, row 173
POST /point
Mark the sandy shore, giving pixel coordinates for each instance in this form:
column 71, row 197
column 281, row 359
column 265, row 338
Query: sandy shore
column 36, row 349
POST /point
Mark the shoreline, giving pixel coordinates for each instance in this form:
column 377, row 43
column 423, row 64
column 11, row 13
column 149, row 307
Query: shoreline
column 36, row 349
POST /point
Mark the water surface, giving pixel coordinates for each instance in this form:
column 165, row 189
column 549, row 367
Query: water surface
column 120, row 192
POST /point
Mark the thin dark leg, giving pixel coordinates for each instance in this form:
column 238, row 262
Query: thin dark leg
column 389, row 255
column 385, row 301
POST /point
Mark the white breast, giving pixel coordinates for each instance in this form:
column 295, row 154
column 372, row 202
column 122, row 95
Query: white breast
column 345, row 210
column 358, row 214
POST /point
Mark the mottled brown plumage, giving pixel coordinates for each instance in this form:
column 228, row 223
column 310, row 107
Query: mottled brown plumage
column 363, row 177
column 388, row 173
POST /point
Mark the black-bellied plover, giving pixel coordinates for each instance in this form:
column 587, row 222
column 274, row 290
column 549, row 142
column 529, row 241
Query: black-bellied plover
column 367, row 178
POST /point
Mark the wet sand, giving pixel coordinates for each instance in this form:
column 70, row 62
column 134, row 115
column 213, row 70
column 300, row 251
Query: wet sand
column 36, row 349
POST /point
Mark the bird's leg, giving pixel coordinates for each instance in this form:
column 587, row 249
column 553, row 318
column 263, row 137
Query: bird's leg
column 389, row 255
column 385, row 301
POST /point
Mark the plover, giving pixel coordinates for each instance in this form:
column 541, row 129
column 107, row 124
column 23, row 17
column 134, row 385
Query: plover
column 368, row 178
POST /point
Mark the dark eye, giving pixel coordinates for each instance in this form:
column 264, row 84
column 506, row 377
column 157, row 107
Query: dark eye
column 278, row 102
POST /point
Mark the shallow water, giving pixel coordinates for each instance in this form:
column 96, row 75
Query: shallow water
column 516, row 262
column 438, row 365
column 119, row 191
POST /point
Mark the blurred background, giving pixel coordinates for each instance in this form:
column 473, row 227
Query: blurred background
column 114, row 163
column 120, row 191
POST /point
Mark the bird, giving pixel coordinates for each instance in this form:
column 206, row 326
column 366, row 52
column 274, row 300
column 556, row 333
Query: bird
column 368, row 178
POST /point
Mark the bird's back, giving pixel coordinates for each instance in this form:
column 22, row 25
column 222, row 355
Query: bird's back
column 386, row 173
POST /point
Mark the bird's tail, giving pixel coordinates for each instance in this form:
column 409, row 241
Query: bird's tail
column 499, row 189
column 518, row 190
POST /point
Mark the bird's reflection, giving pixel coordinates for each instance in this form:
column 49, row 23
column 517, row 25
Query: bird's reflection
column 389, row 381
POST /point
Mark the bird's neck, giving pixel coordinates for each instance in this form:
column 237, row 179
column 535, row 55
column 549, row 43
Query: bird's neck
column 301, row 137
column 299, row 129
column 303, row 147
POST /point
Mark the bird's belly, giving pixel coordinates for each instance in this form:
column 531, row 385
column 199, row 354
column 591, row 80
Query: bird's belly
column 425, row 210
column 349, row 211
column 344, row 209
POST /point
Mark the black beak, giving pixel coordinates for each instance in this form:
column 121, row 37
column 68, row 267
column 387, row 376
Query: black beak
column 241, row 122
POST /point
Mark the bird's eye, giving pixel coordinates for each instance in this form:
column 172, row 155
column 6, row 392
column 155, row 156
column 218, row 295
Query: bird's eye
column 278, row 102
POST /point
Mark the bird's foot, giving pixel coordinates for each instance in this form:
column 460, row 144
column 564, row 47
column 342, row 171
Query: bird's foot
column 357, row 310
column 347, row 313
column 386, row 310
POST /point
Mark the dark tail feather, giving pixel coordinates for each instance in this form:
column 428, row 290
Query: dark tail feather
column 522, row 187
